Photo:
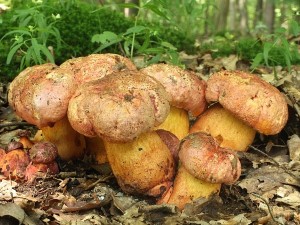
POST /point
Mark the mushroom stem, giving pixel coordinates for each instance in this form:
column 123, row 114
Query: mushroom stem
column 70, row 143
column 187, row 188
column 177, row 122
column 143, row 166
column 96, row 148
column 228, row 130
column 204, row 166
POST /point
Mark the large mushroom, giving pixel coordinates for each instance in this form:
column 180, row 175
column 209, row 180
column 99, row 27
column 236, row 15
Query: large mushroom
column 249, row 98
column 40, row 95
column 123, row 108
column 93, row 67
column 247, row 104
column 187, row 93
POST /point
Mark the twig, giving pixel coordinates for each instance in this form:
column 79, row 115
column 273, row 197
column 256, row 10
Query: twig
column 275, row 162
column 269, row 208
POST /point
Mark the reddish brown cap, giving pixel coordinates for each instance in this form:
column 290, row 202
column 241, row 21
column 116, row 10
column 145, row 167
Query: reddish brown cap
column 96, row 66
column 119, row 106
column 203, row 158
column 251, row 99
column 40, row 94
column 186, row 89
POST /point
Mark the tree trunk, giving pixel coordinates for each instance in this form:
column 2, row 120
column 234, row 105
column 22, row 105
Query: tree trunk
column 221, row 15
column 232, row 15
column 269, row 15
column 258, row 17
column 244, row 28
column 131, row 12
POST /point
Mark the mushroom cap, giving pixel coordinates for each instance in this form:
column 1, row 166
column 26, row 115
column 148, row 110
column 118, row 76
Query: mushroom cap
column 186, row 89
column 118, row 107
column 95, row 66
column 40, row 94
column 203, row 158
column 251, row 99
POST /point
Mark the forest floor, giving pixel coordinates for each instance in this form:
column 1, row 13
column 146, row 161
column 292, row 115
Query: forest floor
column 268, row 192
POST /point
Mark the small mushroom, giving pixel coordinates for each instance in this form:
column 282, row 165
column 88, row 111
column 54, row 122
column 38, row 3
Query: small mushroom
column 43, row 152
column 34, row 170
column 24, row 139
column 14, row 164
column 204, row 166
column 187, row 93
column 122, row 108
column 42, row 156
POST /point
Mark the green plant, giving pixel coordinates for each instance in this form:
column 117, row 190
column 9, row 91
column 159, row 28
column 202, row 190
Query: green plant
column 276, row 48
column 31, row 38
column 141, row 39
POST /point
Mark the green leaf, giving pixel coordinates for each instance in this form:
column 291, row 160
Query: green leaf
column 12, row 52
column 129, row 5
column 36, row 50
column 154, row 59
column 157, row 50
column 266, row 49
column 168, row 45
column 104, row 46
column 145, row 44
column 106, row 37
column 47, row 53
column 295, row 28
column 19, row 32
column 126, row 47
column 257, row 60
column 135, row 29
column 29, row 56
column 156, row 10
column 25, row 22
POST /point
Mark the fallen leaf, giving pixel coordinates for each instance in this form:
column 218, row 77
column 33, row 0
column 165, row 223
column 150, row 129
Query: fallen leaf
column 7, row 191
column 294, row 147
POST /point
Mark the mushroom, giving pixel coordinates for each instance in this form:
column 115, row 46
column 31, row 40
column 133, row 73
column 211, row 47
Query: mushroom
column 204, row 166
column 40, row 95
column 42, row 155
column 229, row 131
column 187, row 93
column 24, row 139
column 14, row 163
column 123, row 108
column 93, row 67
column 34, row 170
column 250, row 99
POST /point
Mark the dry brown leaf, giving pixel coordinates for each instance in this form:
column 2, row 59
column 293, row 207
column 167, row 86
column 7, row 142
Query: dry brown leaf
column 7, row 191
column 294, row 147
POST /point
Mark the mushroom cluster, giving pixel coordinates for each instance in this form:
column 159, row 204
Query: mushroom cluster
column 139, row 121
column 21, row 163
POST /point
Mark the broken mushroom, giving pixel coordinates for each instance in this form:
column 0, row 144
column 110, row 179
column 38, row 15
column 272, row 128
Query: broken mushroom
column 187, row 93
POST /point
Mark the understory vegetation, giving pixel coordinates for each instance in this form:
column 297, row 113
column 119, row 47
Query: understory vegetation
column 35, row 32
